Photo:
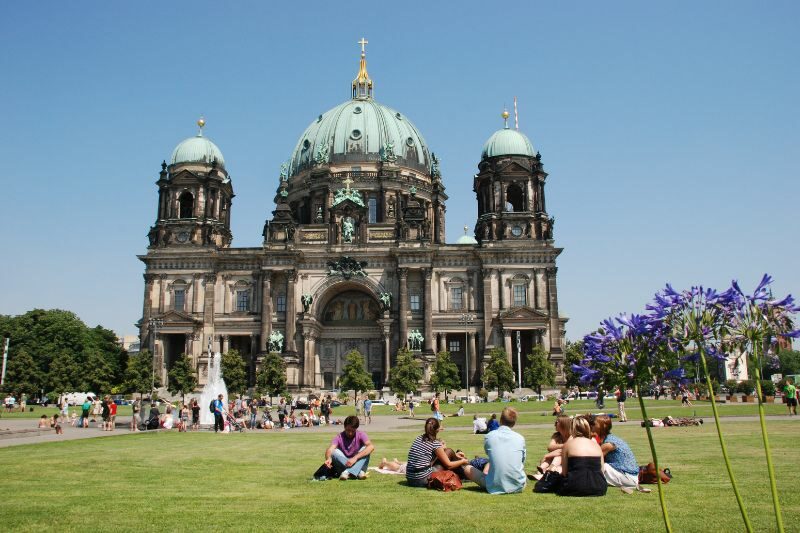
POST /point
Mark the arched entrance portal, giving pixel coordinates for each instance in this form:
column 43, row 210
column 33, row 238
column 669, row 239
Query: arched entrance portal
column 349, row 321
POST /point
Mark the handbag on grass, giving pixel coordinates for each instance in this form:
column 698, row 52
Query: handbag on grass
column 445, row 480
column 324, row 472
column 550, row 482
column 647, row 475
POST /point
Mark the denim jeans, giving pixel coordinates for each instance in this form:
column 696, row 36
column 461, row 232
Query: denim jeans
column 339, row 459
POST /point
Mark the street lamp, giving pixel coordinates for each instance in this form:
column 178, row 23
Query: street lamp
column 466, row 320
column 155, row 324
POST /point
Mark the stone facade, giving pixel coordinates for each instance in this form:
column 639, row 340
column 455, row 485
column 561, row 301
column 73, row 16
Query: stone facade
column 353, row 256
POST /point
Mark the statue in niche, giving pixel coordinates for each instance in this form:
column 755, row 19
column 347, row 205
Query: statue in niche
column 348, row 229
column 275, row 341
column 386, row 300
column 415, row 339
column 319, row 218
column 306, row 300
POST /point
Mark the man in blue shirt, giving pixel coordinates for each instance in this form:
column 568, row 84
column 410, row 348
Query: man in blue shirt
column 368, row 410
column 506, row 451
column 219, row 406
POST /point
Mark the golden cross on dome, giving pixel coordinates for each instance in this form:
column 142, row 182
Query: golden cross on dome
column 363, row 42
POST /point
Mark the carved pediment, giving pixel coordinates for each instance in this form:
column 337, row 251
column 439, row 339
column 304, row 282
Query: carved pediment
column 522, row 314
column 513, row 167
column 174, row 317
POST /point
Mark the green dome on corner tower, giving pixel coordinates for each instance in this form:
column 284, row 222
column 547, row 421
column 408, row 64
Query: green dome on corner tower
column 507, row 142
column 197, row 149
column 361, row 130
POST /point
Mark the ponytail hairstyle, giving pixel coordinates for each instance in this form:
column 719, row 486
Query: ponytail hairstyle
column 431, row 429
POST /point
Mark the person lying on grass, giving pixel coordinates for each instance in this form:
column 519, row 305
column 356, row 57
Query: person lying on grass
column 349, row 451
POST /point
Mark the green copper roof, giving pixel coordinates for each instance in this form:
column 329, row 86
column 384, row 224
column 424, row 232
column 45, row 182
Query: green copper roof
column 197, row 149
column 360, row 130
column 466, row 239
column 507, row 142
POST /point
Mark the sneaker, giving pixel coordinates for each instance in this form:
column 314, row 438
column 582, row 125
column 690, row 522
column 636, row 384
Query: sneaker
column 345, row 476
column 362, row 475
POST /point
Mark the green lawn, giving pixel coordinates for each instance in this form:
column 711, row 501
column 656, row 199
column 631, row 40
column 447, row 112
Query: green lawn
column 202, row 481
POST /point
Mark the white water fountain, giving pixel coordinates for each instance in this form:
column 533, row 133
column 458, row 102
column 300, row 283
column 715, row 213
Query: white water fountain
column 213, row 388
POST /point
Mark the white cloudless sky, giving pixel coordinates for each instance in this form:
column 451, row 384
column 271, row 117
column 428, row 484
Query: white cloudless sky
column 669, row 130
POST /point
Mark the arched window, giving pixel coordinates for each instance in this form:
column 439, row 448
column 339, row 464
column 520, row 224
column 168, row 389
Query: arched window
column 179, row 295
column 515, row 201
column 186, row 205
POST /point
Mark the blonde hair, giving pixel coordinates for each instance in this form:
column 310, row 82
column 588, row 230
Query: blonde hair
column 581, row 428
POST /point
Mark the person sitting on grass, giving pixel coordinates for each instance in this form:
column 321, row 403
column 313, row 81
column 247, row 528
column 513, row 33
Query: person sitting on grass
column 493, row 424
column 425, row 451
column 620, row 468
column 168, row 421
column 479, row 425
column 582, row 463
column 558, row 407
column 552, row 459
column 55, row 423
column 349, row 451
column 506, row 453
column 43, row 422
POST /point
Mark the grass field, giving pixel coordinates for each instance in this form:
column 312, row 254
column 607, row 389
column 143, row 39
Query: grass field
column 261, row 480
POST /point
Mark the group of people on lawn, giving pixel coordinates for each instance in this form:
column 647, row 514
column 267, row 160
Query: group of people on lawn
column 582, row 453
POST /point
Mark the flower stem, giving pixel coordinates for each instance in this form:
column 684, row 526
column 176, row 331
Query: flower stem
column 770, row 468
column 746, row 518
column 667, row 523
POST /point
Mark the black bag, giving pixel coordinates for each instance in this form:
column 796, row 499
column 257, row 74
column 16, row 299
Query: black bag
column 550, row 482
column 324, row 472
column 211, row 406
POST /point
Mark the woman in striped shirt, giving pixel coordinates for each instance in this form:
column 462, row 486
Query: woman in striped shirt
column 426, row 449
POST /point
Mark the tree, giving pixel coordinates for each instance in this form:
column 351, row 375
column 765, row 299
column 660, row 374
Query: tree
column 271, row 378
column 573, row 355
column 789, row 362
column 22, row 374
column 445, row 375
column 540, row 370
column 499, row 374
column 139, row 373
column 404, row 377
column 354, row 375
column 182, row 378
column 96, row 375
column 234, row 371
column 63, row 374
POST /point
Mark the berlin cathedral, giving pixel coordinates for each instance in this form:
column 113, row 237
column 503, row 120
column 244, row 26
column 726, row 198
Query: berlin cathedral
column 354, row 255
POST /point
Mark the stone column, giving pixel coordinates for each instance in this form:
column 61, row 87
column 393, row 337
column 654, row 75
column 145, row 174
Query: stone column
column 541, row 289
column 209, row 282
column 195, row 293
column 266, row 309
column 473, row 359
column 428, row 341
column 552, row 298
column 501, row 292
column 291, row 312
column 442, row 341
column 162, row 289
column 387, row 353
column 308, row 360
column 487, row 308
column 402, row 274
column 507, row 344
column 147, row 311
column 253, row 360
column 226, row 343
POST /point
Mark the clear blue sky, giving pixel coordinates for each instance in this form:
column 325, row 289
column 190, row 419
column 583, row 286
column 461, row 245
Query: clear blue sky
column 669, row 130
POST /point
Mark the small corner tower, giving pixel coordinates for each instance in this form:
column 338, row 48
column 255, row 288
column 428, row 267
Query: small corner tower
column 194, row 196
column 510, row 189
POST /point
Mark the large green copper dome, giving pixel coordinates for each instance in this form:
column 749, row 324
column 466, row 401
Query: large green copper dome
column 360, row 130
column 508, row 142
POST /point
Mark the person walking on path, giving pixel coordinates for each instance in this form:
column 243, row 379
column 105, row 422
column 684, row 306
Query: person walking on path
column 621, row 395
column 436, row 408
column 136, row 408
column 219, row 406
column 411, row 408
column 790, row 391
column 195, row 415
column 360, row 407
column 368, row 410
